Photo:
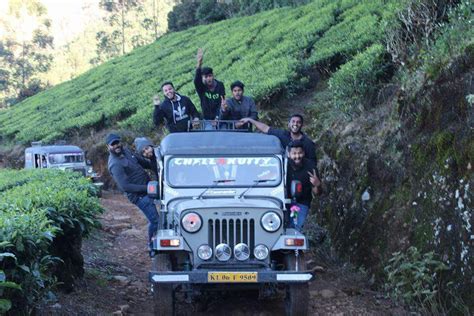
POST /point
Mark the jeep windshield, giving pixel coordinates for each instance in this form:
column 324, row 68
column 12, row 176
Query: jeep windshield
column 204, row 171
column 65, row 158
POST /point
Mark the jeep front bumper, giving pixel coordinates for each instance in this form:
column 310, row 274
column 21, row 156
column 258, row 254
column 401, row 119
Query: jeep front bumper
column 230, row 277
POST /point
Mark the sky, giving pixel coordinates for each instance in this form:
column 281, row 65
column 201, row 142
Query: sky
column 69, row 17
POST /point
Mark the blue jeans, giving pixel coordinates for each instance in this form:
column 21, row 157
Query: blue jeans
column 147, row 206
column 302, row 214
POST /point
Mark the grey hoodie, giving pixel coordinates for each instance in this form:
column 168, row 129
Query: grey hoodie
column 140, row 144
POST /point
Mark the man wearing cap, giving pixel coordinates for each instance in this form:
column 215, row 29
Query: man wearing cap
column 178, row 110
column 127, row 171
column 239, row 106
column 210, row 90
column 295, row 124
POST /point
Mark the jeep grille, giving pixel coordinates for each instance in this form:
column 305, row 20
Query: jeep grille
column 232, row 232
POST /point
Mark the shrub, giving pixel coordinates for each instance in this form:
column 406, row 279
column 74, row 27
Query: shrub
column 53, row 207
column 358, row 79
column 413, row 277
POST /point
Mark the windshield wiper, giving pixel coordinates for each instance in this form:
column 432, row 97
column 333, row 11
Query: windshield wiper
column 255, row 183
column 215, row 184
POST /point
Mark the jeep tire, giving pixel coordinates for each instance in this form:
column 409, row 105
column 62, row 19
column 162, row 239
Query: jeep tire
column 163, row 294
column 297, row 294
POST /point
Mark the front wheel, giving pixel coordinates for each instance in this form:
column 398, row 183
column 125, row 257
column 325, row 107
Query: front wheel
column 297, row 294
column 163, row 294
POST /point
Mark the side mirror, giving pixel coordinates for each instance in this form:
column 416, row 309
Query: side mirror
column 153, row 189
column 296, row 189
column 88, row 162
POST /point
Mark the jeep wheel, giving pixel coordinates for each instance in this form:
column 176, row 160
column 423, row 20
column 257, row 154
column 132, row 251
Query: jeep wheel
column 163, row 294
column 297, row 294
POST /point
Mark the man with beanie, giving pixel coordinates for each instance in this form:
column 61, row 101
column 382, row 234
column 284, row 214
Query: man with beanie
column 178, row 110
column 239, row 106
column 210, row 90
column 127, row 171
column 145, row 148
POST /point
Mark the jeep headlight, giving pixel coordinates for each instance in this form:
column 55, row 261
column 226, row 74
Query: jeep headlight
column 261, row 252
column 204, row 252
column 271, row 221
column 191, row 222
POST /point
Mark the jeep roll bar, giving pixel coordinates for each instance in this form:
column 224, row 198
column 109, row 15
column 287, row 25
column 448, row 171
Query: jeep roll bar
column 217, row 125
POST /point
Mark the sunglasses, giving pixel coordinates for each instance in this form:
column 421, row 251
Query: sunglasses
column 115, row 143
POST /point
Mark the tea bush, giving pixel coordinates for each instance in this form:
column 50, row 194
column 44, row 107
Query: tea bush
column 268, row 52
column 34, row 216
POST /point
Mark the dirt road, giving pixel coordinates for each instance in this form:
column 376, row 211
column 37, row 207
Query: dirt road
column 117, row 265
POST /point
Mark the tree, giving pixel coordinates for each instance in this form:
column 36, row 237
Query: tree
column 25, row 52
column 183, row 16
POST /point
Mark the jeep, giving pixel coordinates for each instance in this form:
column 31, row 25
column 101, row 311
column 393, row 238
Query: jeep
column 224, row 224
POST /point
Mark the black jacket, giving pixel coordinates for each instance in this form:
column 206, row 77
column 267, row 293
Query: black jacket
column 301, row 173
column 210, row 100
column 127, row 171
column 177, row 113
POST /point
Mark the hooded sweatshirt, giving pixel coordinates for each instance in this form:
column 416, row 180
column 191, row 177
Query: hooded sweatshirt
column 140, row 144
column 177, row 113
column 210, row 98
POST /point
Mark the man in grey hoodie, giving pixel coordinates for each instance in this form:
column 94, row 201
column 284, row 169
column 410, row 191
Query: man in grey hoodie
column 238, row 107
column 145, row 148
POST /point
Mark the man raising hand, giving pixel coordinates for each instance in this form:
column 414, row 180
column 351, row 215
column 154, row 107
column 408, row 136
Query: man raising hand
column 209, row 90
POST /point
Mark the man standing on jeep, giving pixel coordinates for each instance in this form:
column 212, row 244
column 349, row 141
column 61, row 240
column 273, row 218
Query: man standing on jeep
column 295, row 124
column 127, row 171
column 305, row 171
column 178, row 110
column 210, row 90
column 239, row 106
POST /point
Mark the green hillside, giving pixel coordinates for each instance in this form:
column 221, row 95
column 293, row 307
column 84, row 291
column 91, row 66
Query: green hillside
column 268, row 52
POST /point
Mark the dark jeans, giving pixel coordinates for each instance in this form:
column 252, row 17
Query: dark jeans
column 147, row 206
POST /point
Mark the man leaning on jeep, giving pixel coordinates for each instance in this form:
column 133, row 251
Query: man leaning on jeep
column 127, row 171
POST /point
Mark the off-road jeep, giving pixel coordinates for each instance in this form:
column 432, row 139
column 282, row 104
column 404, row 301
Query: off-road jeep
column 223, row 221
column 63, row 157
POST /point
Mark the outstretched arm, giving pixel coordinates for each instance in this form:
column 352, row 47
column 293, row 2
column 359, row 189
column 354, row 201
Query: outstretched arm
column 158, row 113
column 262, row 127
column 198, row 84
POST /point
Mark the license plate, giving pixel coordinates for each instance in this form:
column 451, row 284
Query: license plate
column 232, row 277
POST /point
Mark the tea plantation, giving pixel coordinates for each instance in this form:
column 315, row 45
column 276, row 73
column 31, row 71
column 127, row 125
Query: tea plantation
column 38, row 208
column 269, row 52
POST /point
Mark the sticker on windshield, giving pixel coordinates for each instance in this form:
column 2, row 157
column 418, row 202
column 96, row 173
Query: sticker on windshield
column 257, row 161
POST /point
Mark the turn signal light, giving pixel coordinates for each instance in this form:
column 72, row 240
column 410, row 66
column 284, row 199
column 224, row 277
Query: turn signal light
column 294, row 242
column 169, row 242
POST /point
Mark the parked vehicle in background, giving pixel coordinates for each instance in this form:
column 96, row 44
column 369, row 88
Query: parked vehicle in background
column 63, row 157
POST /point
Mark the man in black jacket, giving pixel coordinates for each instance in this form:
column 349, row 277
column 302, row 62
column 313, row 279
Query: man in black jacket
column 127, row 171
column 239, row 106
column 177, row 109
column 210, row 90
column 305, row 171
column 295, row 124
